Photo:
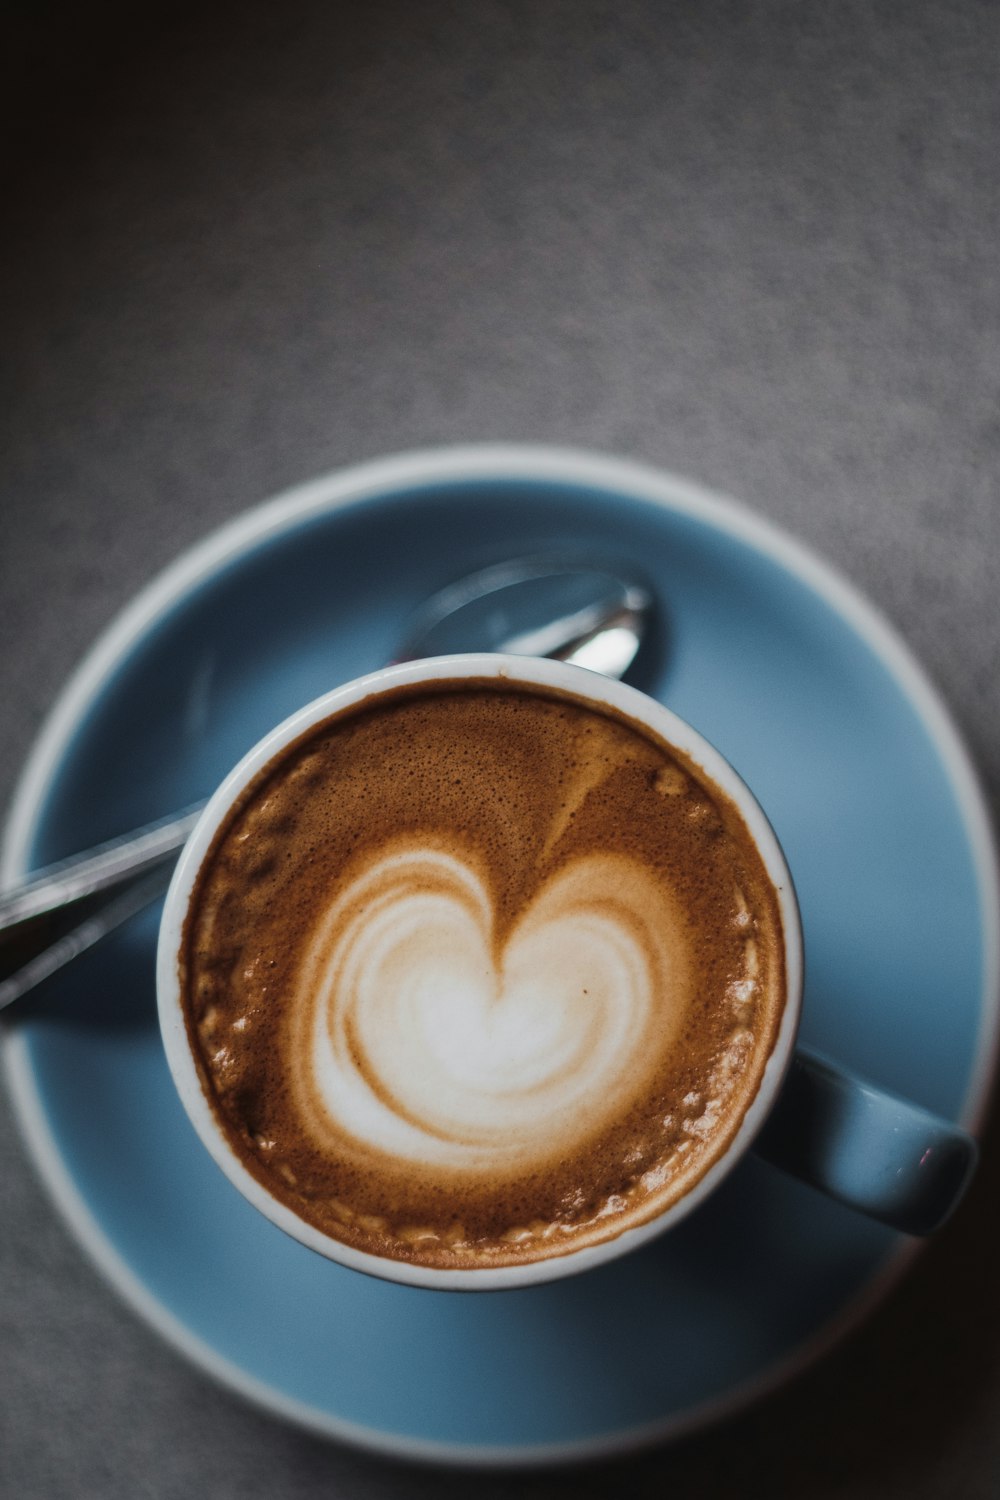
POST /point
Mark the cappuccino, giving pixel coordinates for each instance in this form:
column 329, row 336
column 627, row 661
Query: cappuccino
column 478, row 973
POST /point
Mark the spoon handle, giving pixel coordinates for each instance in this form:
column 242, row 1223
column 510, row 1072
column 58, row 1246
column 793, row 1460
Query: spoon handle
column 31, row 952
column 99, row 869
column 53, row 916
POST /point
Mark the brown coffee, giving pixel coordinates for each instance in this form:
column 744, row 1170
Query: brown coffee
column 478, row 974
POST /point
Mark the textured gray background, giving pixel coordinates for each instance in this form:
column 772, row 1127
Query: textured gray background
column 243, row 245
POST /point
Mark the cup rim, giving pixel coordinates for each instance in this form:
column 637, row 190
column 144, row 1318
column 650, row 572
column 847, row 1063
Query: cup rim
column 589, row 687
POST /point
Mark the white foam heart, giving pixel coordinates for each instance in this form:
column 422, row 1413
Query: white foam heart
column 418, row 1039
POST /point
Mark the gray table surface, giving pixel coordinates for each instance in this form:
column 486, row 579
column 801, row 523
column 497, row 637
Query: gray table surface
column 243, row 245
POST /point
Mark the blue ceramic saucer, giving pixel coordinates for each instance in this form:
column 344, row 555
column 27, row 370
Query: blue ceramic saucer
column 795, row 679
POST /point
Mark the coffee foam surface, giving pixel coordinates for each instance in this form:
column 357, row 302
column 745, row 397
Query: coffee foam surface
column 481, row 975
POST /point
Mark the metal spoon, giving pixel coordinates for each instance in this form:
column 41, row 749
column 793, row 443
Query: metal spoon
column 537, row 606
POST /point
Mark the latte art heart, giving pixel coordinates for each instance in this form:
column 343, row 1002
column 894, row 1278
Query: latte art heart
column 424, row 1037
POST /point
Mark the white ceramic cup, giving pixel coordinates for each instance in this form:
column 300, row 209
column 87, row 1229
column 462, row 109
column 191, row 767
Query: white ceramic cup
column 864, row 1166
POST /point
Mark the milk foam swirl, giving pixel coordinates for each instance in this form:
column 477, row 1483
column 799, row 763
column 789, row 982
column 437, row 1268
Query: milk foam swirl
column 421, row 1037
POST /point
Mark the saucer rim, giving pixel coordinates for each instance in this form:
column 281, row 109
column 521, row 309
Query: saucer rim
column 367, row 482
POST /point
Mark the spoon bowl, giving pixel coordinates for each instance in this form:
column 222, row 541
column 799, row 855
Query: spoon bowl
column 543, row 606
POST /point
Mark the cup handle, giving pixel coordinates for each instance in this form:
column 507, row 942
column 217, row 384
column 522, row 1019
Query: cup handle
column 891, row 1159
